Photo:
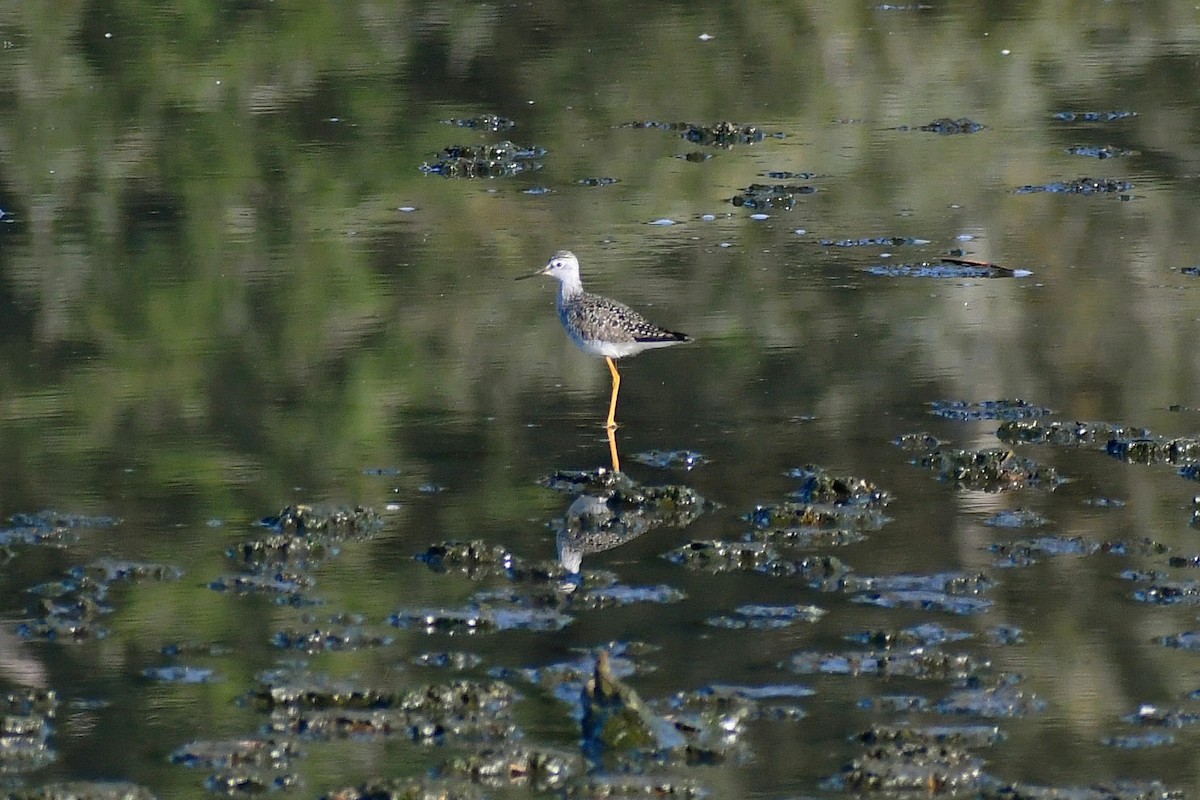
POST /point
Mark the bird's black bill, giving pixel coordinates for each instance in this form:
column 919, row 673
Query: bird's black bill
column 530, row 275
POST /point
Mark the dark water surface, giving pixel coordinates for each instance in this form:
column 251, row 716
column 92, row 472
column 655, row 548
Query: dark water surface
column 228, row 286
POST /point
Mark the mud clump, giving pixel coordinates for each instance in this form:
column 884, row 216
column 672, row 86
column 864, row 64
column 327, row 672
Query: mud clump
column 1084, row 186
column 765, row 196
column 721, row 134
column 485, row 161
column 991, row 469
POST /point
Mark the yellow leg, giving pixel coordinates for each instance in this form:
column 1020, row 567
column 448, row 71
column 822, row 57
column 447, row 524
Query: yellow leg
column 612, row 405
column 612, row 449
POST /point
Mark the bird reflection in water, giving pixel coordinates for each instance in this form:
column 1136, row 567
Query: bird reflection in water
column 610, row 509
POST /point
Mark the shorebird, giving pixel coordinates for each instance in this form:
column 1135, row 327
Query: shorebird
column 600, row 326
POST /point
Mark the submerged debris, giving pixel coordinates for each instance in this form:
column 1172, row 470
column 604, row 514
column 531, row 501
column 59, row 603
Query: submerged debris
column 408, row 789
column 958, row 268
column 1026, row 552
column 343, row 523
column 724, row 556
column 806, row 537
column 721, row 134
column 1017, row 518
column 485, row 122
column 50, row 528
column 817, row 515
column 477, row 620
column 1092, row 151
column 874, row 241
column 1093, row 116
column 759, row 617
column 475, row 559
column 1001, row 700
column 945, row 125
column 820, row 487
column 991, row 469
column 319, row 708
column 70, row 608
column 1086, row 186
column 951, row 592
column 916, row 663
column 180, row 674
column 764, row 195
column 963, row 410
column 663, row 459
column 84, row 790
column 25, row 718
column 513, row 765
column 485, row 161
column 1147, row 450
column 926, row 635
column 1079, row 434
column 329, row 639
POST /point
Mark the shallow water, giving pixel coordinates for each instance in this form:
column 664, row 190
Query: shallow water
column 229, row 287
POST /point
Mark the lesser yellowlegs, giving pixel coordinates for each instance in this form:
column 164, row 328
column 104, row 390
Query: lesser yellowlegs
column 600, row 326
